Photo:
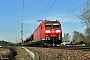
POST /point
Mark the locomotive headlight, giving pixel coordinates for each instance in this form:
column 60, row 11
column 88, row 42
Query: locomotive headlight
column 58, row 31
column 59, row 35
column 46, row 35
column 47, row 31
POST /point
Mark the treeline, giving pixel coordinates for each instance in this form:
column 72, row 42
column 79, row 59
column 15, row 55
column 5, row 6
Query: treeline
column 77, row 37
column 5, row 43
column 84, row 17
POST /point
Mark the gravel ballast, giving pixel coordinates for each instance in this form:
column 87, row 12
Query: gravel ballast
column 61, row 54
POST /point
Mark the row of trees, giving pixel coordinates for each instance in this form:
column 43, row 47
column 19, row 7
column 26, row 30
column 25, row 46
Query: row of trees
column 77, row 37
column 85, row 20
column 5, row 43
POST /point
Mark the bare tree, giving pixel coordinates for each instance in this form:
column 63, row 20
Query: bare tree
column 77, row 37
column 87, row 32
column 85, row 14
column 85, row 20
column 66, row 37
column 87, row 35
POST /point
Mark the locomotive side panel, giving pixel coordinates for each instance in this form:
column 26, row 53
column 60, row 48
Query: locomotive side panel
column 37, row 33
column 43, row 31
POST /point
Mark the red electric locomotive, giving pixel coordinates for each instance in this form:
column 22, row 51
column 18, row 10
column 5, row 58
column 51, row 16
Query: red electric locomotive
column 48, row 32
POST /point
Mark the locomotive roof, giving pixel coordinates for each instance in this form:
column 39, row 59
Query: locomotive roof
column 46, row 21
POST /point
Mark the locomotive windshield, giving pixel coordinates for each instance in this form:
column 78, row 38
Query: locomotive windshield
column 48, row 25
column 53, row 25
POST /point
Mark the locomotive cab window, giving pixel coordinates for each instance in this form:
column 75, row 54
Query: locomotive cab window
column 52, row 25
column 48, row 25
column 56, row 25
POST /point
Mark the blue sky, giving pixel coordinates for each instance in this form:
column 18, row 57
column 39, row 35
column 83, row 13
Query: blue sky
column 11, row 16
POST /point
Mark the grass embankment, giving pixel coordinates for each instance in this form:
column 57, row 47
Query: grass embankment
column 13, row 53
column 7, row 53
column 22, row 55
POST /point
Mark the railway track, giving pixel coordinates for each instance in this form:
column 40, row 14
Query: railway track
column 65, row 47
column 71, row 47
column 62, row 52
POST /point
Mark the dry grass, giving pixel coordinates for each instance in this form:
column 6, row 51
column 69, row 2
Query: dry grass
column 22, row 55
column 9, row 54
column 6, row 54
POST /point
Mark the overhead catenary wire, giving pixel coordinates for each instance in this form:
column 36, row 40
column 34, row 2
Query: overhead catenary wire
column 69, row 21
column 73, row 10
column 71, row 7
column 48, row 9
